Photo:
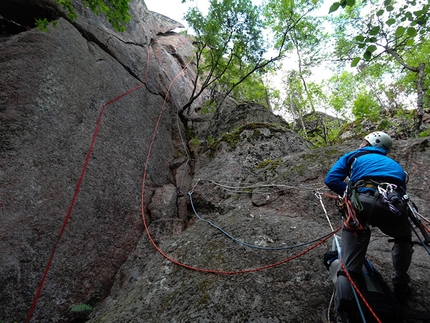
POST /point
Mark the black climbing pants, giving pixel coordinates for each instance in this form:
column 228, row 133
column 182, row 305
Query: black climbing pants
column 354, row 244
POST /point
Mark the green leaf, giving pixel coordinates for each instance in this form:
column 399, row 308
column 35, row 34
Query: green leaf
column 410, row 42
column 390, row 21
column 359, row 38
column 400, row 31
column 350, row 3
column 418, row 13
column 411, row 31
column 387, row 2
column 367, row 56
column 314, row 1
column 374, row 31
column 380, row 12
column 409, row 16
column 355, row 61
column 390, row 8
column 371, row 48
column 334, row 7
column 421, row 21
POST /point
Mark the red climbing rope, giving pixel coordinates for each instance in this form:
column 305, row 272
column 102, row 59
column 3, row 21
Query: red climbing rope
column 72, row 204
column 358, row 291
column 35, row 300
column 186, row 265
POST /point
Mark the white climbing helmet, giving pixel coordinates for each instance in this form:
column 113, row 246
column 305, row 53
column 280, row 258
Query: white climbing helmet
column 380, row 139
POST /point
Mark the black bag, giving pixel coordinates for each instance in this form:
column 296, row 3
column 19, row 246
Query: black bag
column 378, row 295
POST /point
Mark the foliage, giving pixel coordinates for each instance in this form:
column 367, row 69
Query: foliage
column 288, row 17
column 389, row 24
column 304, row 41
column 424, row 133
column 388, row 29
column 42, row 24
column 365, row 106
column 230, row 48
column 233, row 44
column 252, row 89
column 322, row 129
column 81, row 308
column 195, row 141
column 295, row 98
column 208, row 107
column 342, row 89
column 116, row 11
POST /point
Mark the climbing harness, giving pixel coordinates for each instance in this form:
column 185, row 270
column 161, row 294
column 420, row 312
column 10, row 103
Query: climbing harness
column 390, row 194
column 348, row 214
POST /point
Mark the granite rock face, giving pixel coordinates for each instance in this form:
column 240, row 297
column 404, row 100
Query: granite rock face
column 237, row 172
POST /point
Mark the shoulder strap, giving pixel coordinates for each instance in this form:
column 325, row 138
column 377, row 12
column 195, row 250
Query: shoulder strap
column 358, row 154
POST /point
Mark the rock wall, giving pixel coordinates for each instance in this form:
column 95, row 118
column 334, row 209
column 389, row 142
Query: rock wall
column 258, row 193
column 248, row 174
column 54, row 86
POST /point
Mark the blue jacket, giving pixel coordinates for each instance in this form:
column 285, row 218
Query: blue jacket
column 369, row 166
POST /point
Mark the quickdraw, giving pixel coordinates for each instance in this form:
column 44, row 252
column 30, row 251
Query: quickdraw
column 390, row 196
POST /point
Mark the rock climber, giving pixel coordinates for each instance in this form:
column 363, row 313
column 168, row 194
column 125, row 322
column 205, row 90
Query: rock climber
column 375, row 189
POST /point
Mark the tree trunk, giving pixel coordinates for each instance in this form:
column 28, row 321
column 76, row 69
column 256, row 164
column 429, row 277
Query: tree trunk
column 420, row 91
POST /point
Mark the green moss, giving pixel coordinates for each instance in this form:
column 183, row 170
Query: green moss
column 300, row 169
column 384, row 124
column 424, row 133
column 81, row 308
column 233, row 137
column 269, row 164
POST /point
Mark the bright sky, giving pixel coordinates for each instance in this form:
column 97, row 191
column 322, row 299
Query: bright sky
column 176, row 10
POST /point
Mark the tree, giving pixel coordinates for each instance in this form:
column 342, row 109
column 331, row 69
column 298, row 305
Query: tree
column 230, row 47
column 365, row 105
column 343, row 91
column 232, row 41
column 395, row 29
column 116, row 11
column 295, row 98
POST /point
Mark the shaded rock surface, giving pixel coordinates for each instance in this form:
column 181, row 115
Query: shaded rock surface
column 251, row 176
column 53, row 88
column 272, row 204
